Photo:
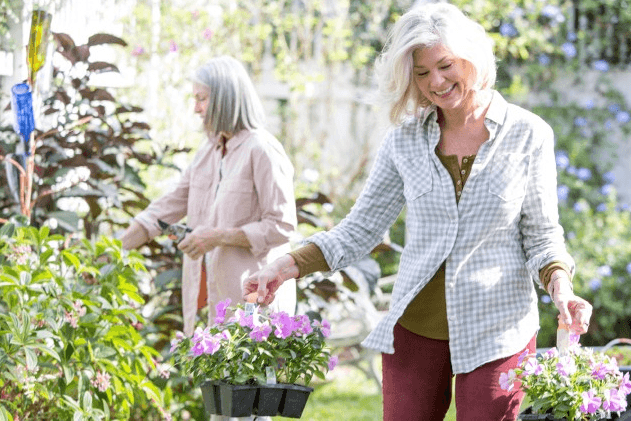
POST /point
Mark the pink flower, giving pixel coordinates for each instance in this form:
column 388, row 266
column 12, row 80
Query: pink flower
column 205, row 343
column 172, row 46
column 101, row 381
column 324, row 326
column 566, row 366
column 220, row 310
column 532, row 367
column 208, row 33
column 284, row 324
column 507, row 380
column 625, row 385
column 591, row 402
column 614, row 401
column 600, row 371
column 138, row 51
column 179, row 336
column 333, row 362
column 303, row 324
column 551, row 353
column 246, row 321
column 261, row 333
column 71, row 319
column 79, row 308
column 522, row 357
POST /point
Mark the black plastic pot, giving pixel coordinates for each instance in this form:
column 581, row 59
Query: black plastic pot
column 237, row 400
column 268, row 399
column 294, row 401
column 211, row 396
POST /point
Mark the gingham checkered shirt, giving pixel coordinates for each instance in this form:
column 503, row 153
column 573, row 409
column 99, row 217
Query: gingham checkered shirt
column 503, row 230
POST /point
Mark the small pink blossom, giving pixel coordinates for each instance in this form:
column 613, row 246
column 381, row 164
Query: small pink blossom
column 591, row 402
column 172, row 46
column 79, row 308
column 101, row 381
column 324, row 326
column 283, row 323
column 164, row 371
column 138, row 51
column 522, row 357
column 71, row 319
column 208, row 33
column 566, row 366
column 261, row 333
column 333, row 362
column 625, row 385
column 220, row 310
column 614, row 401
column 533, row 367
column 507, row 380
column 600, row 371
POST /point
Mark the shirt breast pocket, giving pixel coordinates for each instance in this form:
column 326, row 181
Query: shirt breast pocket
column 234, row 200
column 508, row 177
column 417, row 177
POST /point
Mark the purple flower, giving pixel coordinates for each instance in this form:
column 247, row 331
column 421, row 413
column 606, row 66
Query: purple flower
column 609, row 177
column 562, row 159
column 601, row 65
column 546, row 299
column 580, row 207
column 544, row 59
column 589, row 104
column 179, row 336
column 613, row 108
column 608, row 125
column 553, row 12
column 600, row 371
column 204, row 342
column 333, row 362
column 571, row 36
column 172, row 46
column 551, row 353
column 584, row 174
column 625, row 385
column 566, row 366
column 595, row 284
column 604, row 270
column 246, row 321
column 303, row 324
column 606, row 190
column 532, row 367
column 614, row 401
column 220, row 310
column 138, row 51
column 507, row 380
column 283, row 323
column 522, row 357
column 208, row 33
column 580, row 121
column 591, row 402
column 569, row 50
column 324, row 326
column 623, row 117
column 601, row 207
column 563, row 192
column 508, row 30
column 261, row 333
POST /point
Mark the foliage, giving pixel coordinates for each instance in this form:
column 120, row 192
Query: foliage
column 578, row 385
column 87, row 159
column 243, row 348
column 69, row 319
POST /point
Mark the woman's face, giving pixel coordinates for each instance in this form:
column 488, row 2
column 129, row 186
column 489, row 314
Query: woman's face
column 201, row 94
column 443, row 78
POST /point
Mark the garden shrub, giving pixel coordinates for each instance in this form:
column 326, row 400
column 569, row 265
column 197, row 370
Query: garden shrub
column 69, row 320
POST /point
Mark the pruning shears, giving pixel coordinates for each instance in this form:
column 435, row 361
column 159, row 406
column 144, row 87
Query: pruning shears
column 175, row 232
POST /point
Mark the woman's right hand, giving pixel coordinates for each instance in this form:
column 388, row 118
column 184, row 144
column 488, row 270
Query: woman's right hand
column 266, row 281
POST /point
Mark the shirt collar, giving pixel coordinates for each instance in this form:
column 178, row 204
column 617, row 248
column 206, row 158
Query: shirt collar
column 496, row 112
column 232, row 143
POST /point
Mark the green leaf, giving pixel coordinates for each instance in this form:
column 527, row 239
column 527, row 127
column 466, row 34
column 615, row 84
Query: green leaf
column 7, row 230
column 31, row 358
column 71, row 259
column 68, row 373
column 87, row 401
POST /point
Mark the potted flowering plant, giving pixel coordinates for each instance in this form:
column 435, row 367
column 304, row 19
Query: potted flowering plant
column 268, row 357
column 579, row 384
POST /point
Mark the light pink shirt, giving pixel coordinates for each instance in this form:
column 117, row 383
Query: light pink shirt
column 250, row 188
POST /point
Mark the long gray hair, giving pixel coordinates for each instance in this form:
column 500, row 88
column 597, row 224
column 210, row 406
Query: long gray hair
column 233, row 103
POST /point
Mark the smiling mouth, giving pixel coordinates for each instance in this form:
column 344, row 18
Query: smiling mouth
column 446, row 91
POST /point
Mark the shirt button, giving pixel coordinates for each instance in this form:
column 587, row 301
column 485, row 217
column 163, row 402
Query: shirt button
column 451, row 285
column 459, row 193
column 463, row 172
column 458, row 182
column 465, row 160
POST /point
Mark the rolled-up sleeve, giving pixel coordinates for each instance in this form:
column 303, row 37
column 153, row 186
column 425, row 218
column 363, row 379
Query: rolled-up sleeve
column 273, row 182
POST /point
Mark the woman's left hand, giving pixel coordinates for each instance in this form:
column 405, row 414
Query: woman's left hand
column 573, row 310
column 201, row 240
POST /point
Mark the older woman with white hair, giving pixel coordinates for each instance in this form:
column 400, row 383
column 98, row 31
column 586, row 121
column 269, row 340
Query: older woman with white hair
column 237, row 196
column 477, row 175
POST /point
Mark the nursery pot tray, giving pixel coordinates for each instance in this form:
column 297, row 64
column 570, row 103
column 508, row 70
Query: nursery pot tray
column 294, row 401
column 268, row 399
column 211, row 396
column 237, row 400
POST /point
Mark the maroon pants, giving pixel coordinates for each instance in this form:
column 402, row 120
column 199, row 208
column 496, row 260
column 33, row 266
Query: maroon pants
column 417, row 383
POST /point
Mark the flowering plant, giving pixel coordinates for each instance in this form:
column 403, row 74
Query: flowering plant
column 580, row 385
column 245, row 347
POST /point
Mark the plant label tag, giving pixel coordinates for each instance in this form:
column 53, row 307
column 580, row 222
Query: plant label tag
column 249, row 309
column 563, row 341
column 271, row 375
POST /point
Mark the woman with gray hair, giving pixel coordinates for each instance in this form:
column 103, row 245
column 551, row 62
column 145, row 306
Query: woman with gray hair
column 477, row 175
column 237, row 196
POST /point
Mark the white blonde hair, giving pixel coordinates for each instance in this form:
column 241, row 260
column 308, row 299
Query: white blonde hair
column 424, row 26
column 233, row 103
